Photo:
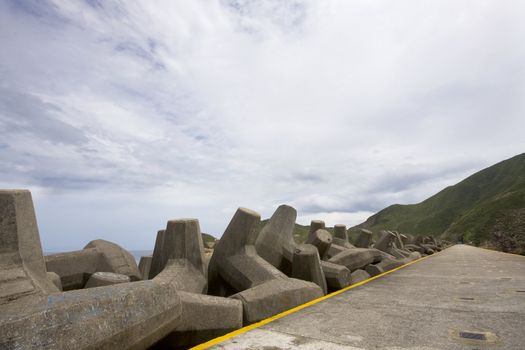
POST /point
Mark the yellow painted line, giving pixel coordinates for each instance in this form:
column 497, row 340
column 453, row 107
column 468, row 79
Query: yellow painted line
column 300, row 307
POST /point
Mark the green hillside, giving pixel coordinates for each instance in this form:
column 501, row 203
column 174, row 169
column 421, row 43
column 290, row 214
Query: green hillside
column 487, row 208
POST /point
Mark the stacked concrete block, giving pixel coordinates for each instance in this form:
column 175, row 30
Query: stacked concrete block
column 359, row 276
column 337, row 276
column 364, row 239
column 75, row 268
column 321, row 239
column 262, row 288
column 35, row 315
column 341, row 237
column 307, row 265
column 357, row 258
column 275, row 242
column 178, row 256
column 203, row 317
column 125, row 316
column 23, row 272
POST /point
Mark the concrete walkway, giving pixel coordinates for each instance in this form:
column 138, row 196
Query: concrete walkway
column 461, row 298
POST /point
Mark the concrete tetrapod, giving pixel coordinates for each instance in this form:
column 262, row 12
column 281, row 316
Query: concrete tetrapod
column 145, row 266
column 75, row 268
column 181, row 256
column 341, row 237
column 262, row 288
column 21, row 262
column 364, row 239
column 127, row 316
column 337, row 276
column 321, row 239
column 307, row 265
column 356, row 258
column 359, row 276
column 275, row 242
column 178, row 256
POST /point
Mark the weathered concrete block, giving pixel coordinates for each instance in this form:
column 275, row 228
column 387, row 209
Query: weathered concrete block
column 203, row 317
column 236, row 266
column 316, row 225
column 75, row 268
column 374, row 269
column 307, row 265
column 181, row 257
column 55, row 279
column 359, row 276
column 126, row 316
column 321, row 239
column 115, row 259
column 101, row 279
column 337, row 276
column 182, row 239
column 145, row 266
column 333, row 250
column 356, row 258
column 275, row 296
column 156, row 266
column 364, row 239
column 385, row 241
column 21, row 261
column 275, row 242
column 341, row 236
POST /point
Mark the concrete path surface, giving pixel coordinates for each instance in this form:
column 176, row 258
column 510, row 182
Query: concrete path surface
column 461, row 298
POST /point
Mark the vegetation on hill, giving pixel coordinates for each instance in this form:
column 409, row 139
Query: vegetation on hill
column 207, row 238
column 487, row 208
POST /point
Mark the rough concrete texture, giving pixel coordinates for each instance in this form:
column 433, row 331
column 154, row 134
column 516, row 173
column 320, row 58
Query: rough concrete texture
column 275, row 296
column 203, row 317
column 55, row 279
column 101, row 279
column 316, row 225
column 364, row 239
column 75, row 268
column 145, row 266
column 126, row 316
column 236, row 266
column 337, row 276
column 422, row 306
column 333, row 250
column 359, row 276
column 21, row 261
column 385, row 241
column 115, row 259
column 307, row 265
column 321, row 239
column 156, row 267
column 275, row 242
column 180, row 257
column 341, row 237
column 356, row 258
column 182, row 239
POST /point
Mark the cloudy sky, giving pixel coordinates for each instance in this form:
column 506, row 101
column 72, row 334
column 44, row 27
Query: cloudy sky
column 121, row 115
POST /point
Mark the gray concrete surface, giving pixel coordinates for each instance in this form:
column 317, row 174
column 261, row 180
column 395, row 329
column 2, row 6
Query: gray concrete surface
column 422, row 306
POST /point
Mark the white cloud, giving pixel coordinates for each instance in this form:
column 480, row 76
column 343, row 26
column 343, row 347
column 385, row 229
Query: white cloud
column 140, row 112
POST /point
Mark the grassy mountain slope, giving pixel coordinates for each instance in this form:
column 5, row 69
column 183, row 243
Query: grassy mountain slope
column 478, row 209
